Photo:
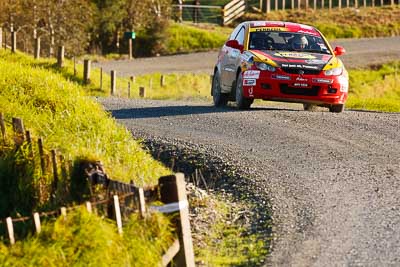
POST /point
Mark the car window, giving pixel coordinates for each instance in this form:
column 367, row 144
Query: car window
column 240, row 36
column 235, row 32
column 286, row 41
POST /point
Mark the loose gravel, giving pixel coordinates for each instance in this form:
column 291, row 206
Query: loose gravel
column 332, row 180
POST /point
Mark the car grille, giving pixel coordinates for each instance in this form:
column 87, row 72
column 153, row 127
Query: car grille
column 305, row 71
column 285, row 89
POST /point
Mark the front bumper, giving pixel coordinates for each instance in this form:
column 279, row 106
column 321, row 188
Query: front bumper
column 306, row 88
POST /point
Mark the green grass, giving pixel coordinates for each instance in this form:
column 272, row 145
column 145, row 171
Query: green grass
column 176, row 87
column 342, row 23
column 375, row 89
column 84, row 239
column 334, row 24
column 69, row 120
column 190, row 38
column 57, row 106
column 228, row 242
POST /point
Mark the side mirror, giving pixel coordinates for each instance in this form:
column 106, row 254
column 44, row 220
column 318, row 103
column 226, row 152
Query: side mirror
column 234, row 44
column 339, row 51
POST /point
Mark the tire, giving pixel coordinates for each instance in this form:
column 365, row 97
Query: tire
column 241, row 101
column 219, row 99
column 336, row 108
column 309, row 107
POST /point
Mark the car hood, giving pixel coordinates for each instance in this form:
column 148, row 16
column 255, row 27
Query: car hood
column 294, row 59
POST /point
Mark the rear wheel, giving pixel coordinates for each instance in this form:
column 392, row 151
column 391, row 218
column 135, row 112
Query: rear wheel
column 219, row 99
column 241, row 101
column 336, row 108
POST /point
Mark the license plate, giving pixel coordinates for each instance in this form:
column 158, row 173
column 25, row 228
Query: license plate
column 300, row 84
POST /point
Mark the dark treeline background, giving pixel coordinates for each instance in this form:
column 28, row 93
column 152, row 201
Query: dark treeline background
column 86, row 26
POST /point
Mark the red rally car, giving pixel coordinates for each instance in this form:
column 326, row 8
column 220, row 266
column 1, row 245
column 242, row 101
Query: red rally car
column 280, row 61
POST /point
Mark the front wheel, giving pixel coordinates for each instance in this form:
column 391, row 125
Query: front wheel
column 336, row 108
column 219, row 99
column 309, row 107
column 241, row 101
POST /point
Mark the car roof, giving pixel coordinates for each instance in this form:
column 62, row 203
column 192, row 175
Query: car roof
column 283, row 26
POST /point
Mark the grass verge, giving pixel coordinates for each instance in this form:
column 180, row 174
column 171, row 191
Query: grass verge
column 55, row 105
column 376, row 88
column 186, row 37
column 83, row 239
column 227, row 240
column 343, row 23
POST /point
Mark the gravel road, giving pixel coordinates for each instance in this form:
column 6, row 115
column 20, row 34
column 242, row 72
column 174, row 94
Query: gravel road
column 360, row 53
column 333, row 179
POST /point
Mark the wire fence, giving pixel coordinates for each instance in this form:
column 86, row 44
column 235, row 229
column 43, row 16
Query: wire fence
column 108, row 198
column 220, row 12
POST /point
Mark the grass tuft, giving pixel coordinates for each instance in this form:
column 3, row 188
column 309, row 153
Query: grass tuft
column 84, row 239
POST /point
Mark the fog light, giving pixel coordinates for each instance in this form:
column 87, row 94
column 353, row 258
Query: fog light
column 265, row 86
column 332, row 90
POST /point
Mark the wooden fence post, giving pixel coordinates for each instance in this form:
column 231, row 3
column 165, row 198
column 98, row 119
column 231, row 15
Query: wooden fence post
column 118, row 214
column 64, row 212
column 142, row 202
column 19, row 132
column 142, row 92
column 41, row 154
column 130, row 46
column 315, row 5
column 3, row 127
column 101, row 78
column 10, row 229
column 162, row 81
column 89, row 206
column 113, row 81
column 37, row 48
column 55, row 172
column 1, row 37
column 29, row 141
column 60, row 56
column 13, row 41
column 74, row 65
column 36, row 219
column 173, row 190
column 268, row 6
column 86, row 71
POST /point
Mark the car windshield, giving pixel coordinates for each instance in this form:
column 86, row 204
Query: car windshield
column 287, row 41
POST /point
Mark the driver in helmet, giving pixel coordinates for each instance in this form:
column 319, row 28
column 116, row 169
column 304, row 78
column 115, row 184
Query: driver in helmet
column 299, row 42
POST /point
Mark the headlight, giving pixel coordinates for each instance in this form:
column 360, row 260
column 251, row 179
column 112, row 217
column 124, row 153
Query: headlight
column 264, row 66
column 334, row 72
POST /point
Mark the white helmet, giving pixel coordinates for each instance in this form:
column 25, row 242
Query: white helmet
column 299, row 42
